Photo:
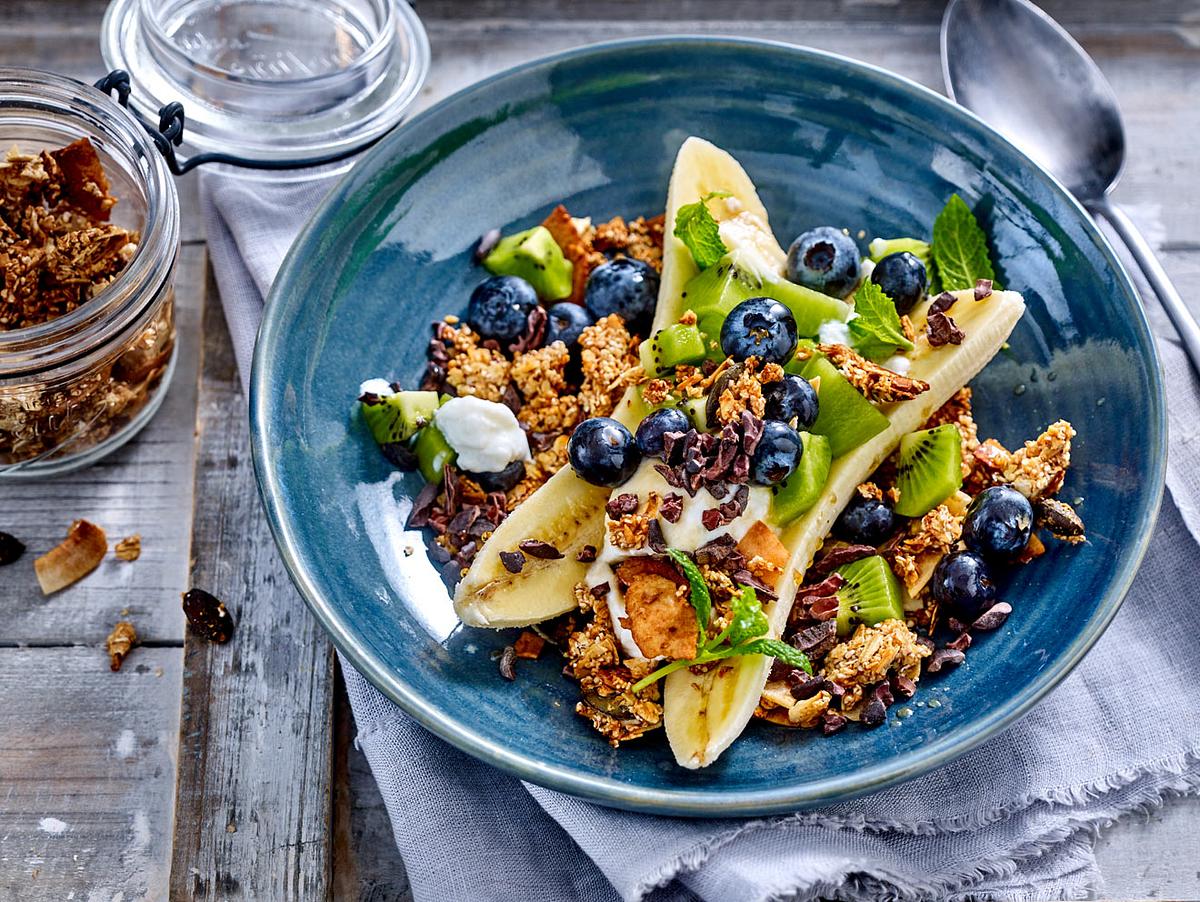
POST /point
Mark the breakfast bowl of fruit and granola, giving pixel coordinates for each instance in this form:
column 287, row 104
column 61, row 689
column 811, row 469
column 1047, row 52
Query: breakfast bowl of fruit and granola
column 707, row 426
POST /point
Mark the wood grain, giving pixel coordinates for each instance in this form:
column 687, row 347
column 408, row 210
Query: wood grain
column 86, row 760
column 255, row 739
column 145, row 487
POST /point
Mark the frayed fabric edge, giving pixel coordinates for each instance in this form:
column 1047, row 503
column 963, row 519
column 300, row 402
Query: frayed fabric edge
column 1170, row 777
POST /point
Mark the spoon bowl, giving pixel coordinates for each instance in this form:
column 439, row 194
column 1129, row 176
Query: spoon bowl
column 1019, row 70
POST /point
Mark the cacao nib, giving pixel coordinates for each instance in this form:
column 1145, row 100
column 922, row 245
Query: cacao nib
column 943, row 330
column 600, row 590
column 539, row 549
column 944, row 657
column 961, row 643
column 463, row 520
column 535, row 332
column 451, row 572
column 883, row 692
column 740, row 471
column 956, row 626
column 671, row 507
column 825, row 608
column 422, row 505
column 711, row 519
column 942, row 303
column 983, row 289
column 655, row 538
column 816, row 641
column 207, row 616
column 803, row 686
column 902, row 686
column 823, row 589
column 438, row 554
column 11, row 548
column 718, row 489
column 672, row 446
column 839, row 557
column 541, row 441
column 399, row 455
column 586, row 554
column 832, row 722
column 874, row 713
column 752, row 430
column 625, row 503
column 513, row 561
column 511, row 399
column 993, row 617
column 508, row 659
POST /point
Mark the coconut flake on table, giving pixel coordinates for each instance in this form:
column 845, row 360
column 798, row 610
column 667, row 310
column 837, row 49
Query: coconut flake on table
column 485, row 435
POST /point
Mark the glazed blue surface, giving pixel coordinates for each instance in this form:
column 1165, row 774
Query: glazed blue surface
column 827, row 141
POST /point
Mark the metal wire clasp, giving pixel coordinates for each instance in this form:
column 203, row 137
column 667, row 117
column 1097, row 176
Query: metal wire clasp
column 169, row 134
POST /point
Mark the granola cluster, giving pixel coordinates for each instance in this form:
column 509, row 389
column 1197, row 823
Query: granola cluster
column 875, row 382
column 57, row 247
column 58, row 251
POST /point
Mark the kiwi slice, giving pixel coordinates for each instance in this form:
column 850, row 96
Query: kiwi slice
column 696, row 409
column 846, row 418
column 721, row 287
column 396, row 418
column 930, row 469
column 670, row 347
column 884, row 247
column 535, row 256
column 433, row 453
column 800, row 491
column 871, row 595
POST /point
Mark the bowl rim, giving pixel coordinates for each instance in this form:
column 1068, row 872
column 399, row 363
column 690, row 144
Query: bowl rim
column 701, row 802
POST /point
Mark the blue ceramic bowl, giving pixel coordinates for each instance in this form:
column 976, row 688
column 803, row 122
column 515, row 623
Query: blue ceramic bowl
column 826, row 140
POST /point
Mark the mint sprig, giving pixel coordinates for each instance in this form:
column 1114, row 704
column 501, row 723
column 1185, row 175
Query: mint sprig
column 697, row 229
column 745, row 635
column 960, row 251
column 875, row 331
column 700, row 598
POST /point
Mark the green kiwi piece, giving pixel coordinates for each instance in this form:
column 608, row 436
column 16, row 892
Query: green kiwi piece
column 396, row 418
column 796, row 495
column 846, row 418
column 433, row 453
column 884, row 247
column 535, row 256
column 696, row 409
column 930, row 469
column 668, row 348
column 720, row 288
column 871, row 595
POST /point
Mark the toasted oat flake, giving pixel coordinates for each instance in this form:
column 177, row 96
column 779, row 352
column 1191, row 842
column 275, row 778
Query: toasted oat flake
column 1038, row 469
column 870, row 655
column 129, row 548
column 875, row 382
column 607, row 356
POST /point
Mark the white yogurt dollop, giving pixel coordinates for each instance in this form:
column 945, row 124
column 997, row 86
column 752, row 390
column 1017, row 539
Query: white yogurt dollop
column 486, row 435
column 834, row 332
column 380, row 387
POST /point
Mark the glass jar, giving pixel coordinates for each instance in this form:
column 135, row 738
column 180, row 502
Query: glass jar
column 77, row 387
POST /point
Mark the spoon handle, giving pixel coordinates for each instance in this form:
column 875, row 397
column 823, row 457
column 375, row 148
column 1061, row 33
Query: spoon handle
column 1181, row 316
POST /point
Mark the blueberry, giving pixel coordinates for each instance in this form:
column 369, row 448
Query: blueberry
column 623, row 286
column 566, row 322
column 792, row 398
column 603, row 452
column 501, row 480
column 998, row 523
column 902, row 278
column 961, row 581
column 651, row 430
column 762, row 328
column 824, row 259
column 500, row 306
column 777, row 453
column 865, row 521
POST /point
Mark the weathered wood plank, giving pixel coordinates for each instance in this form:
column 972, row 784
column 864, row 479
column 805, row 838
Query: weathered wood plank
column 145, row 487
column 86, row 773
column 255, row 752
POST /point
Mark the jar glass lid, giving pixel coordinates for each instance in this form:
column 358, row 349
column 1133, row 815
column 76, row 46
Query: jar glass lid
column 271, row 80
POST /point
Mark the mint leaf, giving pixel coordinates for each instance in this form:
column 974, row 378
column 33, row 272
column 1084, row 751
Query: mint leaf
column 697, row 229
column 876, row 331
column 960, row 247
column 780, row 651
column 746, row 618
column 700, row 598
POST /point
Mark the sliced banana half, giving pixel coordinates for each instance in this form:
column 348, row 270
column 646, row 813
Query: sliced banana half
column 566, row 511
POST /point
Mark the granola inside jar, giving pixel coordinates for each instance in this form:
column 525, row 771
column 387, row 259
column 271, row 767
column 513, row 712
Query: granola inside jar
column 89, row 240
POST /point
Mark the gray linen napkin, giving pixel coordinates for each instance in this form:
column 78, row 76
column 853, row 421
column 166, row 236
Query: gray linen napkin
column 1015, row 819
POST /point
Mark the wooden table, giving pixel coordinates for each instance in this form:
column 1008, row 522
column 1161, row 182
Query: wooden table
column 226, row 772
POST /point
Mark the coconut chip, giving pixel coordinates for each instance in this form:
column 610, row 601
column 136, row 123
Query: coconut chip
column 74, row 558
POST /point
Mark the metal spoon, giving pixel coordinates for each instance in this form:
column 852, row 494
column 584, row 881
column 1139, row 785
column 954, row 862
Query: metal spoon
column 1020, row 71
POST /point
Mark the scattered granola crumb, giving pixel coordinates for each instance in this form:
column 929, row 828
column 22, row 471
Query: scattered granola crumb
column 869, row 655
column 874, row 382
column 119, row 643
column 529, row 645
column 607, row 355
column 129, row 548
